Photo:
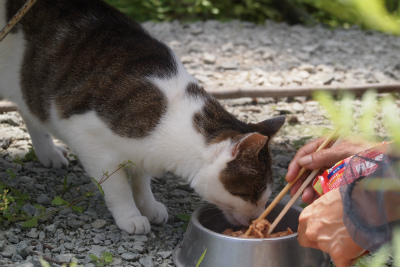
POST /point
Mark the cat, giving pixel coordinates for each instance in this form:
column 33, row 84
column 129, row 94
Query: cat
column 85, row 73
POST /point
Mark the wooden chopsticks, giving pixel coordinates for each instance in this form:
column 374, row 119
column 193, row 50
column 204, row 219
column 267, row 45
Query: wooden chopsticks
column 298, row 193
column 288, row 186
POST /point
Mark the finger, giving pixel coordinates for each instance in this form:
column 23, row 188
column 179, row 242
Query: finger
column 320, row 159
column 304, row 242
column 293, row 170
column 299, row 182
column 316, row 196
column 308, row 195
column 294, row 166
column 302, row 228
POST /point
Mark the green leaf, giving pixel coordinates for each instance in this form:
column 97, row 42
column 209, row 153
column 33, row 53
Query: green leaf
column 58, row 201
column 185, row 226
column 201, row 258
column 100, row 189
column 77, row 209
column 107, row 257
column 15, row 192
column 93, row 257
column 30, row 223
column 368, row 110
column 183, row 217
column 43, row 262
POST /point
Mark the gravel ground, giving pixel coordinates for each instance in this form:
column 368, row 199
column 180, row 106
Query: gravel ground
column 219, row 55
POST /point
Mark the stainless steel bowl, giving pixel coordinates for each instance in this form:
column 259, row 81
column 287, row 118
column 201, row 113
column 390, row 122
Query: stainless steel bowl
column 204, row 230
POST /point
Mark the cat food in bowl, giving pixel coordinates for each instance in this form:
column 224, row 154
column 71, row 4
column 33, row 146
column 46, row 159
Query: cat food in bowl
column 205, row 232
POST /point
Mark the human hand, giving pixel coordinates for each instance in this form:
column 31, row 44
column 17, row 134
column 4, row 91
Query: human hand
column 308, row 157
column 321, row 227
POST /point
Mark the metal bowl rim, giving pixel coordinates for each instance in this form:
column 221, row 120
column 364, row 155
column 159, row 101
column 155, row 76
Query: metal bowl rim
column 197, row 224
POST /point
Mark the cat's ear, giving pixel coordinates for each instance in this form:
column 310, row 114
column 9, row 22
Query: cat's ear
column 271, row 126
column 253, row 142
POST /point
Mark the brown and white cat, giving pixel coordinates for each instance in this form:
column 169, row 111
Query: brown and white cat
column 85, row 73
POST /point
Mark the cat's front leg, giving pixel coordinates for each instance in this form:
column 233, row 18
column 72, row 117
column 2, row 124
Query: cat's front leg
column 155, row 211
column 50, row 155
column 118, row 196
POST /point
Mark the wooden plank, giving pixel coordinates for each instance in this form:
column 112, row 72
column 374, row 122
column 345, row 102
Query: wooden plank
column 222, row 93
column 357, row 90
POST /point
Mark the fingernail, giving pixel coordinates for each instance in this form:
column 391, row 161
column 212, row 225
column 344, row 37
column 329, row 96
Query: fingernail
column 306, row 160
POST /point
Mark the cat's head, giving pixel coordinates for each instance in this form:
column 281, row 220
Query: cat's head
column 239, row 179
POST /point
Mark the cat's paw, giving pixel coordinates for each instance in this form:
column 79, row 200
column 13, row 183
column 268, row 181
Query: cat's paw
column 55, row 157
column 138, row 225
column 156, row 214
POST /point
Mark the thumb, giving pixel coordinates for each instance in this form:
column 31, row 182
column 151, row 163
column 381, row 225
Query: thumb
column 322, row 159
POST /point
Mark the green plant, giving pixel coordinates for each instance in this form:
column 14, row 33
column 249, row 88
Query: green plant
column 372, row 14
column 30, row 156
column 185, row 218
column 382, row 15
column 201, row 258
column 105, row 259
column 341, row 114
column 12, row 200
column 46, row 264
column 190, row 10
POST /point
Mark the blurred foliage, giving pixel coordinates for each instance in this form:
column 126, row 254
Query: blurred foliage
column 373, row 106
column 191, row 10
column 382, row 15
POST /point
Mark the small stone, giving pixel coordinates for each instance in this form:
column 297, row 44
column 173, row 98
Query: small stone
column 64, row 257
column 99, row 223
column 196, row 31
column 230, row 65
column 42, row 235
column 23, row 250
column 32, row 234
column 13, row 239
column 10, row 119
column 9, row 251
column 147, row 261
column 44, row 199
column 69, row 246
column 50, row 228
column 41, row 187
column 75, row 223
column 310, row 48
column 2, row 245
column 209, row 58
column 164, row 254
column 97, row 241
column 30, row 210
column 6, row 254
column 39, row 247
column 297, row 107
column 97, row 250
column 17, row 258
column 114, row 238
column 307, row 67
column 179, row 193
column 130, row 256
